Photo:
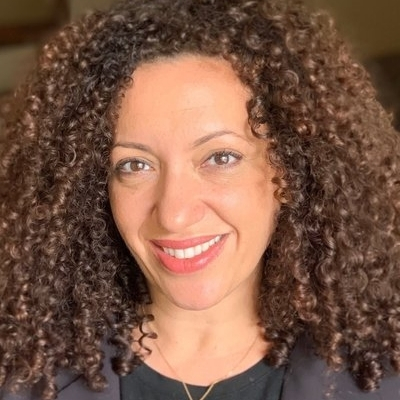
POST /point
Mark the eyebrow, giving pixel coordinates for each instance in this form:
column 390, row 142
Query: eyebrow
column 214, row 135
column 197, row 142
column 133, row 145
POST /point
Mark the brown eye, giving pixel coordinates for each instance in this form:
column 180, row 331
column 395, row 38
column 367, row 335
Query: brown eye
column 132, row 166
column 224, row 158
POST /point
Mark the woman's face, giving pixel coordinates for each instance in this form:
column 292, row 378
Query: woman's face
column 191, row 189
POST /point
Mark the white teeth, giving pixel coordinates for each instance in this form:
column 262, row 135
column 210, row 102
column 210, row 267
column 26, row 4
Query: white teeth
column 179, row 253
column 205, row 246
column 168, row 251
column 191, row 252
column 197, row 250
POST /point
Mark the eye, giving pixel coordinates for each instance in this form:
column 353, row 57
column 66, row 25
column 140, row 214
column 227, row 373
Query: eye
column 132, row 165
column 224, row 158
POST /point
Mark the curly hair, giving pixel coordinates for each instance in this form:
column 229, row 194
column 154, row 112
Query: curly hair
column 67, row 281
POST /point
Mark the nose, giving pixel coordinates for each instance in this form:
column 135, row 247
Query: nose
column 179, row 203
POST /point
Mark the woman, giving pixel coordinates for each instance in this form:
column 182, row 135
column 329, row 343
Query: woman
column 207, row 193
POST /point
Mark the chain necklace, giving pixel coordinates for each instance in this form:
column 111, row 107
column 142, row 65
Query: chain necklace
column 210, row 388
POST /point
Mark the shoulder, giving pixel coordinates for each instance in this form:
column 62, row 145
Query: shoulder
column 308, row 377
column 72, row 386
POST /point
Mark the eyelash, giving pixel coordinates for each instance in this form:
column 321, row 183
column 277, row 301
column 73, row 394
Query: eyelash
column 121, row 166
column 125, row 166
column 225, row 153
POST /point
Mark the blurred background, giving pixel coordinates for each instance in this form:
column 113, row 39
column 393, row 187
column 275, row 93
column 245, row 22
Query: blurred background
column 371, row 26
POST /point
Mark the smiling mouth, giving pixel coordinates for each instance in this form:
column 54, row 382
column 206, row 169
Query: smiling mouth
column 188, row 255
column 190, row 252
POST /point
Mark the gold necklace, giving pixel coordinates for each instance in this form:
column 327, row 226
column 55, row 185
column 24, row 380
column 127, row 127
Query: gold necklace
column 210, row 388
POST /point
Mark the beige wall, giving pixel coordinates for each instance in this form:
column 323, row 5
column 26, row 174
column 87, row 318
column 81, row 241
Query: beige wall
column 25, row 11
column 78, row 7
column 373, row 26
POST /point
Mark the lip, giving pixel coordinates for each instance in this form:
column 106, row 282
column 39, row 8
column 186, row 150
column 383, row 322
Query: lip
column 189, row 265
column 182, row 244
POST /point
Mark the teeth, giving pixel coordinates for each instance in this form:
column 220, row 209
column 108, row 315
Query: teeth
column 180, row 253
column 205, row 246
column 191, row 252
column 197, row 250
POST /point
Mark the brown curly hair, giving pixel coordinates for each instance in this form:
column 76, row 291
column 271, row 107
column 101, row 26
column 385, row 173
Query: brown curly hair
column 67, row 281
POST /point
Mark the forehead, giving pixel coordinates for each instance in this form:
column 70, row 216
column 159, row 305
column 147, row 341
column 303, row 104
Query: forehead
column 191, row 79
column 188, row 90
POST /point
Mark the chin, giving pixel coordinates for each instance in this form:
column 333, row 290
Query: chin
column 198, row 300
column 196, row 305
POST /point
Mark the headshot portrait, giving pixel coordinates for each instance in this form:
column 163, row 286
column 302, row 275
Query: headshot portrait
column 199, row 200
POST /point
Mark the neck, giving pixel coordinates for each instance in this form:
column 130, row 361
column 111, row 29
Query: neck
column 198, row 345
column 238, row 315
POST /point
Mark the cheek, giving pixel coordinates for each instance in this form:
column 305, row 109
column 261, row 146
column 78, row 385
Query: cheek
column 251, row 212
column 126, row 211
column 257, row 209
column 252, row 197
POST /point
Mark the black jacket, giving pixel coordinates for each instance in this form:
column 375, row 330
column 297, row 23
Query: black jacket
column 306, row 378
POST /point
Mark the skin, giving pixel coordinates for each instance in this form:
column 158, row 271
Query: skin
column 186, row 165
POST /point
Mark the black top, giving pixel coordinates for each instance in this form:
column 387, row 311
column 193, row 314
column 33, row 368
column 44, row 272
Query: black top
column 260, row 382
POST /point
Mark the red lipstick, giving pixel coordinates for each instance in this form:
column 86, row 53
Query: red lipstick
column 187, row 265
